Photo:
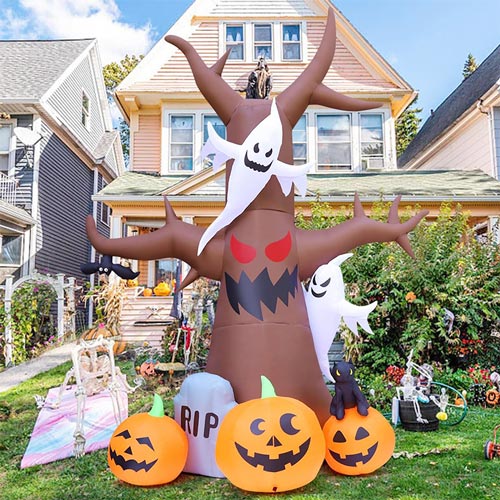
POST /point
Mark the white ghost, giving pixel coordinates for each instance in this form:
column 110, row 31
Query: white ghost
column 255, row 161
column 326, row 306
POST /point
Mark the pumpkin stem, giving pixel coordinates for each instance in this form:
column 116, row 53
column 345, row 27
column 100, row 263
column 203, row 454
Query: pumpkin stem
column 267, row 388
column 157, row 410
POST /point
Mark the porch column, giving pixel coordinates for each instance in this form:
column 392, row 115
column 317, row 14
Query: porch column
column 186, row 267
column 60, row 306
column 115, row 229
column 9, row 279
column 71, row 305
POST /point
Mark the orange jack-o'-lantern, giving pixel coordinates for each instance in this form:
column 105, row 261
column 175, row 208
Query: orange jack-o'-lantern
column 271, row 444
column 148, row 449
column 358, row 444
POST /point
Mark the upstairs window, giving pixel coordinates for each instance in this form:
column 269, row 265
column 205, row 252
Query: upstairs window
column 7, row 147
column 85, row 109
column 263, row 41
column 291, row 42
column 372, row 141
column 181, row 143
column 334, row 142
column 235, row 41
column 299, row 137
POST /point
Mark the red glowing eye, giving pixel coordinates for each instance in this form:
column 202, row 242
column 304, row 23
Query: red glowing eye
column 242, row 253
column 280, row 249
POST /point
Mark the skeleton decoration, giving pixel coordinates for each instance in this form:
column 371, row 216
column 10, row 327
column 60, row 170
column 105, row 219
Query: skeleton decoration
column 255, row 161
column 261, row 325
column 327, row 306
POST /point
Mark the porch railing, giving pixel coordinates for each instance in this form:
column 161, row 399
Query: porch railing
column 8, row 188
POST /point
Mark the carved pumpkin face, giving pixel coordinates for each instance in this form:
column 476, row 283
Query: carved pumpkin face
column 271, row 444
column 356, row 444
column 148, row 449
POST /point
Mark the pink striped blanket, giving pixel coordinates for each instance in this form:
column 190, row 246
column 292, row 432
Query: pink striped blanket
column 52, row 437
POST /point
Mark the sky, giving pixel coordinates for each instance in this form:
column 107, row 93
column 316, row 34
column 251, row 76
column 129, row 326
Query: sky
column 425, row 41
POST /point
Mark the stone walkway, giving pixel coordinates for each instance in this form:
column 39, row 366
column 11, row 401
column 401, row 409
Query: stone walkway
column 11, row 377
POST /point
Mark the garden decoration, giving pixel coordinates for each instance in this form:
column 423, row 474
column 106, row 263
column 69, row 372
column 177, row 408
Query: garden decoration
column 492, row 448
column 347, row 392
column 200, row 407
column 358, row 444
column 148, row 449
column 327, row 306
column 258, row 254
column 106, row 266
column 271, row 444
column 422, row 403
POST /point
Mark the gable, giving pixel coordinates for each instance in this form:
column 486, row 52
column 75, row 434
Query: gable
column 357, row 68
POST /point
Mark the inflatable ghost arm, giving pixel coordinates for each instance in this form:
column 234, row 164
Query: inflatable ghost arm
column 319, row 247
column 175, row 239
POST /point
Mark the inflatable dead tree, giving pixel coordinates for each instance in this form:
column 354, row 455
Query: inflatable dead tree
column 253, row 247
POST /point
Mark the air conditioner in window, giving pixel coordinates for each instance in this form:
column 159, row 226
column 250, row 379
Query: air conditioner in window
column 372, row 164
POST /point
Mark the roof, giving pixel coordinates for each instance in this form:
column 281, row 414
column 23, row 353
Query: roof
column 15, row 215
column 105, row 144
column 415, row 186
column 455, row 105
column 28, row 68
column 139, row 184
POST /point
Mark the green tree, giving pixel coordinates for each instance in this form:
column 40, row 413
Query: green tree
column 407, row 127
column 114, row 73
column 469, row 67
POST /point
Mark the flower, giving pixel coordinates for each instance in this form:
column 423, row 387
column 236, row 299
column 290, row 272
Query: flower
column 410, row 297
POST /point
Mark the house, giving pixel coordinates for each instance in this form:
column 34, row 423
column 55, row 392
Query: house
column 57, row 149
column 463, row 133
column 168, row 117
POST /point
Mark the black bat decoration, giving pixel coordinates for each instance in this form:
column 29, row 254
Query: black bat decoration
column 106, row 266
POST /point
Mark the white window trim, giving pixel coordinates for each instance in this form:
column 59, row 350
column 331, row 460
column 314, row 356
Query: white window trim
column 277, row 42
column 300, row 42
column 106, row 221
column 21, row 253
column 384, row 140
column 88, row 113
column 11, row 162
column 273, row 39
column 307, row 142
column 198, row 116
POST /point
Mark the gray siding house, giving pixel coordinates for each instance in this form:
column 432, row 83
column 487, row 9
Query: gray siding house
column 52, row 92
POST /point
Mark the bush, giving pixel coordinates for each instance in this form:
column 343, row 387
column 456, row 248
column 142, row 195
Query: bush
column 444, row 304
column 32, row 328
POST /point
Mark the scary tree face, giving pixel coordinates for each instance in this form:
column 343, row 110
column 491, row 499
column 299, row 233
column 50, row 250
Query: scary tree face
column 251, row 294
column 270, row 445
column 356, row 444
column 147, row 450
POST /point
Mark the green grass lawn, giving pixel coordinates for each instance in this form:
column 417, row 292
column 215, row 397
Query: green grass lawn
column 458, row 471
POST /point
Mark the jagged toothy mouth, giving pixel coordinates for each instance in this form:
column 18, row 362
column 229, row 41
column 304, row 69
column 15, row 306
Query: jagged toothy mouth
column 256, row 166
column 352, row 460
column 274, row 464
column 130, row 464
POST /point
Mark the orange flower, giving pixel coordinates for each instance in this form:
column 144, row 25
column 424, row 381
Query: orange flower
column 410, row 297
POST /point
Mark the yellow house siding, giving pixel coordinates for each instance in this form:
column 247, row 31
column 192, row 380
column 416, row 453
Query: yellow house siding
column 146, row 146
column 468, row 149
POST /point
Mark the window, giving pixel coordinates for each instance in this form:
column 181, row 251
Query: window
column 10, row 249
column 181, row 143
column 262, row 41
column 334, row 142
column 372, row 141
column 85, row 109
column 235, row 41
column 299, row 137
column 291, row 42
column 7, row 145
column 165, row 270
column 220, row 129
